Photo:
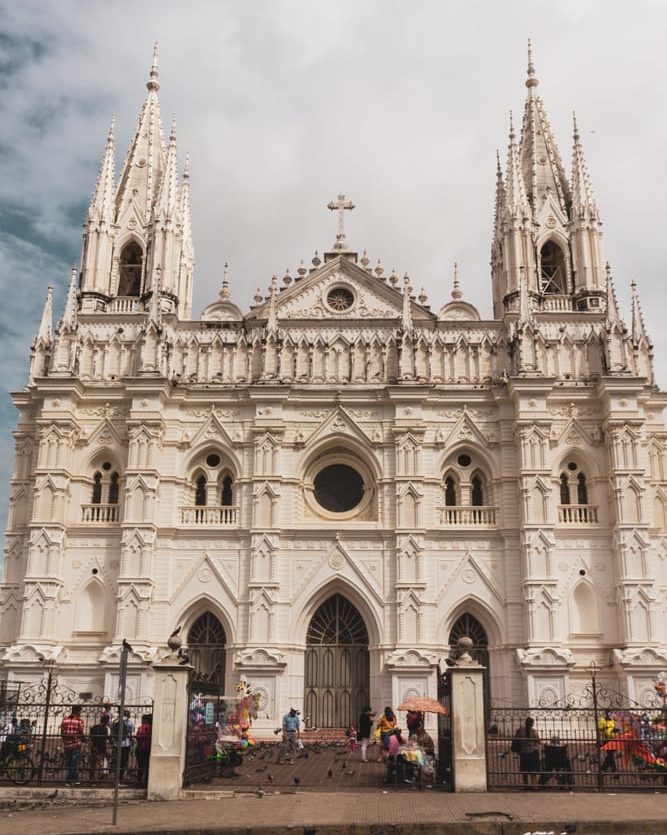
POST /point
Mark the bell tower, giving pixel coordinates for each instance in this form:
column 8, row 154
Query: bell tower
column 139, row 227
column 544, row 223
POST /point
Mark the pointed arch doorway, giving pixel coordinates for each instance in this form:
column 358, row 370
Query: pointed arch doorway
column 337, row 681
column 206, row 646
column 469, row 627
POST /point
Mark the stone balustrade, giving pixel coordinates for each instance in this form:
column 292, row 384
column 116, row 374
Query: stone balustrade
column 464, row 516
column 578, row 514
column 100, row 514
column 213, row 516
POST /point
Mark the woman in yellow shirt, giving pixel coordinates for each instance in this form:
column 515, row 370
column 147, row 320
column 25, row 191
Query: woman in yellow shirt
column 386, row 723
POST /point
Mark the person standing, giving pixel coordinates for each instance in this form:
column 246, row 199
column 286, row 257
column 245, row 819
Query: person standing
column 291, row 731
column 144, row 735
column 126, row 741
column 71, row 733
column 608, row 732
column 386, row 723
column 365, row 725
column 529, row 752
column 99, row 749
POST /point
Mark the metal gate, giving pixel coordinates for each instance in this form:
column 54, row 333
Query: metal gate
column 336, row 665
column 445, row 765
column 205, row 701
column 594, row 741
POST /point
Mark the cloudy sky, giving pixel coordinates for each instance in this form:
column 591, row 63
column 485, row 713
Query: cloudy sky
column 284, row 104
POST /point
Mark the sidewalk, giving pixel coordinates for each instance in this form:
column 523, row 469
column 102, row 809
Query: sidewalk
column 354, row 813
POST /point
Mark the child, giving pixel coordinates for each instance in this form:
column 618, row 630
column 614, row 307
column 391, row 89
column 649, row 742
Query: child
column 352, row 738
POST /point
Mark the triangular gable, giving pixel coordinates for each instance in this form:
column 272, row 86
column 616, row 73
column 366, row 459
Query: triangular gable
column 574, row 434
column 105, row 433
column 306, row 298
column 212, row 430
column 471, row 566
column 338, row 559
column 466, row 430
column 204, row 571
column 339, row 422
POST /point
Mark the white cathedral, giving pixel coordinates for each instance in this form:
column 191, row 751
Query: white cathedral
column 326, row 491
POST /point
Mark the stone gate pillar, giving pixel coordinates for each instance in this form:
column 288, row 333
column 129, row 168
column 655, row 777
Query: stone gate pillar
column 170, row 708
column 467, row 722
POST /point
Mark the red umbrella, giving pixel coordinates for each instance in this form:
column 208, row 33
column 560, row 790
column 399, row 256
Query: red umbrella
column 423, row 704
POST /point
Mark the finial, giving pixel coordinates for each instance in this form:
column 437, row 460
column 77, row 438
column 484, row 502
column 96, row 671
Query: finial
column 258, row 298
column 287, row 278
column 186, row 167
column 301, row 269
column 316, row 260
column 365, row 260
column 574, row 125
column 531, row 81
column 456, row 288
column 224, row 292
column 153, row 83
column 499, row 170
column 512, row 134
column 379, row 269
column 340, row 205
column 423, row 298
column 111, row 129
column 393, row 278
column 172, row 132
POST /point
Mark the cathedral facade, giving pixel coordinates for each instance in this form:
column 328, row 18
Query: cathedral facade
column 325, row 491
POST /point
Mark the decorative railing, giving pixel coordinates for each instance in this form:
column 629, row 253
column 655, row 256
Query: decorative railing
column 126, row 304
column 100, row 514
column 467, row 516
column 578, row 514
column 557, row 303
column 226, row 515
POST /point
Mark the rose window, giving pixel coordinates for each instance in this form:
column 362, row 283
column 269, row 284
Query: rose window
column 340, row 298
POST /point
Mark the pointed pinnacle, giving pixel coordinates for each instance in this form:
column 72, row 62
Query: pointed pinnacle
column 224, row 292
column 172, row 132
column 186, row 167
column 531, row 81
column 574, row 126
column 512, row 133
column 456, row 289
column 153, row 83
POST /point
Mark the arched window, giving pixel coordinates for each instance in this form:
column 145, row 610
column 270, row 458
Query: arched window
column 450, row 491
column 564, row 489
column 130, row 267
column 113, row 489
column 200, row 491
column 582, row 490
column 226, row 496
column 96, row 498
column 477, row 491
column 552, row 265
column 206, row 644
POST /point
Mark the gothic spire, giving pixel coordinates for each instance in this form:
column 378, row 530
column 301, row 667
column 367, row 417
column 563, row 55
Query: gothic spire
column 144, row 164
column 613, row 315
column 500, row 195
column 516, row 200
column 541, row 165
column 69, row 320
column 638, row 327
column 583, row 201
column 45, row 332
column 272, row 320
column 101, row 203
column 154, row 310
column 456, row 284
column 525, row 312
column 185, row 211
column 166, row 203
column 407, row 309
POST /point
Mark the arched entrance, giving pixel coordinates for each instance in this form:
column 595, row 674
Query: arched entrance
column 206, row 645
column 336, row 669
column 468, row 626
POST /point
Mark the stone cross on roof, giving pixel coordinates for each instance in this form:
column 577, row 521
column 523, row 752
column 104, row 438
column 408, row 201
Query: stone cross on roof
column 340, row 205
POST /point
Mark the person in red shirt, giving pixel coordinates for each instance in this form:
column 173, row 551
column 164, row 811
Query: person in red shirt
column 71, row 733
column 143, row 737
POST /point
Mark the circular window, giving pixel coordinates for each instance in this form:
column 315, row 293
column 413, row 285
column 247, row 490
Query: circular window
column 338, row 488
column 213, row 459
column 106, row 466
column 340, row 298
column 572, row 466
column 464, row 460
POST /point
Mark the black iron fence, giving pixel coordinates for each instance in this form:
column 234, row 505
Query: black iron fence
column 587, row 748
column 36, row 748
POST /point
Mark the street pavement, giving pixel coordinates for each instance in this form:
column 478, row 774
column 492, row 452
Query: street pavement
column 372, row 812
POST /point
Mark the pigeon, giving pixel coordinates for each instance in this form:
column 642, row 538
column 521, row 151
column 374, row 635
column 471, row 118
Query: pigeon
column 269, row 777
column 296, row 781
column 329, row 773
column 175, row 632
column 260, row 792
column 53, row 795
